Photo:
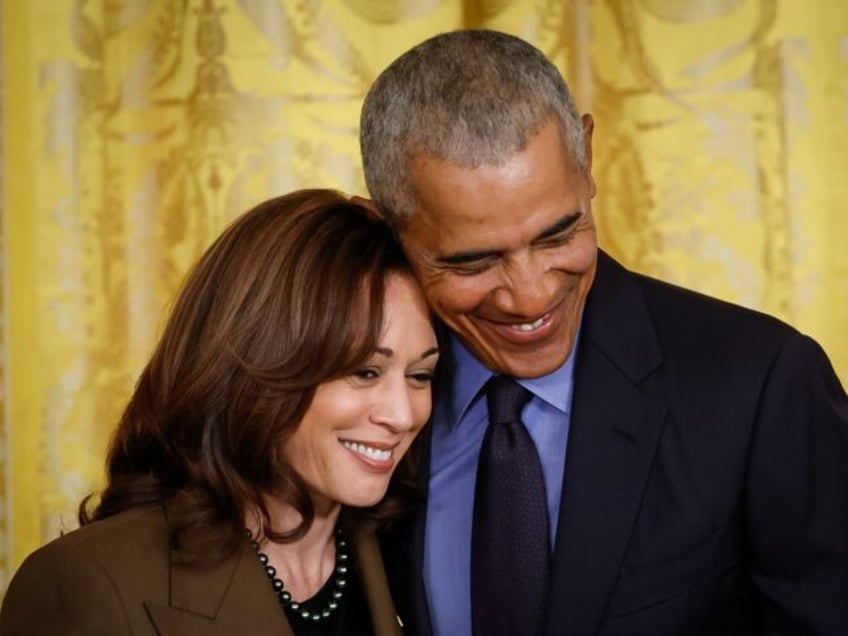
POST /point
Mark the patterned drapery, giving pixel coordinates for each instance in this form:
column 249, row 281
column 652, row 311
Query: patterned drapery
column 132, row 131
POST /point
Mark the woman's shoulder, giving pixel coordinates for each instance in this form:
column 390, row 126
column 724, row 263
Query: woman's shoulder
column 91, row 576
column 131, row 540
column 138, row 529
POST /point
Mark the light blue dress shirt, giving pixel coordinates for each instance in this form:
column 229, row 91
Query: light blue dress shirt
column 460, row 418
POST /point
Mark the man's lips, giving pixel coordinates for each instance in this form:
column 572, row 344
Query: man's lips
column 527, row 331
column 527, row 327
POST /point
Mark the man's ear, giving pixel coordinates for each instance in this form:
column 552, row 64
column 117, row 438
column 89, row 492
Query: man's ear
column 369, row 205
column 588, row 129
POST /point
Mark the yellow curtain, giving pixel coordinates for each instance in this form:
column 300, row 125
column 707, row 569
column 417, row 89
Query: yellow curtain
column 133, row 130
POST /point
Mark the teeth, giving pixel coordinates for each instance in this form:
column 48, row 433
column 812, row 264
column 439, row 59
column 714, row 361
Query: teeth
column 530, row 326
column 371, row 453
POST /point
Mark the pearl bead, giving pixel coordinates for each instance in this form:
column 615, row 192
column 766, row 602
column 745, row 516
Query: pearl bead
column 285, row 597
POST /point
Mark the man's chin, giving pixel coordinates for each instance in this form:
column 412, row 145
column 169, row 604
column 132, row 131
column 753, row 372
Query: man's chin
column 528, row 365
column 529, row 371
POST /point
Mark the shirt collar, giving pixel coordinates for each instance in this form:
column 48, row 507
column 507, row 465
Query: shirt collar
column 469, row 375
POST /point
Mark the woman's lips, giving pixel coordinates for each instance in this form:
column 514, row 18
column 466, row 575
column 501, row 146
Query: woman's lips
column 378, row 457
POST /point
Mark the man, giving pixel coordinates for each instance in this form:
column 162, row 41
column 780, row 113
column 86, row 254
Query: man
column 694, row 454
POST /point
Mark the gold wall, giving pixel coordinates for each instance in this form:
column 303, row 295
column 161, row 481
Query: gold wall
column 131, row 131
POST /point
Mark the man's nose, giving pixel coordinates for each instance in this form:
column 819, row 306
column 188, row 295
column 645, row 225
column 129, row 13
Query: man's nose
column 526, row 288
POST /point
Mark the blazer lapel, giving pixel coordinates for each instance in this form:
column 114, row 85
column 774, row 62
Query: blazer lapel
column 419, row 608
column 402, row 546
column 233, row 597
column 375, row 586
column 615, row 427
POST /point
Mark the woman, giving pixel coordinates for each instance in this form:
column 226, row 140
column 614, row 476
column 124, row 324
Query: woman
column 253, row 460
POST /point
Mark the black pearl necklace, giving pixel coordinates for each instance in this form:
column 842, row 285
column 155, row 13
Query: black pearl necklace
column 294, row 608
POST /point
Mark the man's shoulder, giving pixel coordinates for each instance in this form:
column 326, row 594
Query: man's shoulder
column 693, row 314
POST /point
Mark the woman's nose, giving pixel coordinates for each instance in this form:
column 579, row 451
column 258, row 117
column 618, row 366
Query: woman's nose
column 394, row 408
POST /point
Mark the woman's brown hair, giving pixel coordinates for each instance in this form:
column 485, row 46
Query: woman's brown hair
column 288, row 297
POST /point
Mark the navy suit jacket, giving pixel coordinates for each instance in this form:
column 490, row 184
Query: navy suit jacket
column 706, row 488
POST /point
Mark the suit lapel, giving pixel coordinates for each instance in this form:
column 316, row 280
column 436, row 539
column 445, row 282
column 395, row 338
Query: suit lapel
column 403, row 548
column 420, row 608
column 375, row 586
column 615, row 428
column 232, row 597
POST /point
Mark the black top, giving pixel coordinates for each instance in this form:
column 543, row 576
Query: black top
column 352, row 618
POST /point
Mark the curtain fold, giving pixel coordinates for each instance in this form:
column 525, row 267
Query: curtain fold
column 133, row 131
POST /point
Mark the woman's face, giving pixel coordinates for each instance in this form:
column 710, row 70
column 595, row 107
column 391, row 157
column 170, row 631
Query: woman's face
column 358, row 427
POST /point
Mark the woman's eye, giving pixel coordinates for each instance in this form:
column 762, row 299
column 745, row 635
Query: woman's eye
column 421, row 377
column 366, row 374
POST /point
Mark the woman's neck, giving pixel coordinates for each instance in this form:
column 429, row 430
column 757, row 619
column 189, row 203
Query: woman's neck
column 303, row 565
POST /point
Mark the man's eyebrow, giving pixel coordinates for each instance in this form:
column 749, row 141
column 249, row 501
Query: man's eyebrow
column 560, row 226
column 471, row 256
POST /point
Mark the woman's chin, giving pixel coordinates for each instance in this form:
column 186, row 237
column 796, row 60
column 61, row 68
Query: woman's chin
column 364, row 499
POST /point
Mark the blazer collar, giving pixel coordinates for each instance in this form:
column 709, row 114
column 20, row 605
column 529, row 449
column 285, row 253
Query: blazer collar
column 229, row 597
column 234, row 596
column 616, row 422
column 402, row 544
column 384, row 617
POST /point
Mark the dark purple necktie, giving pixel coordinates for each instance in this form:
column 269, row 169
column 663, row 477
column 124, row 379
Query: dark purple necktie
column 510, row 547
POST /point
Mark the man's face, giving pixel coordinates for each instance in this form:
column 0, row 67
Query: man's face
column 506, row 254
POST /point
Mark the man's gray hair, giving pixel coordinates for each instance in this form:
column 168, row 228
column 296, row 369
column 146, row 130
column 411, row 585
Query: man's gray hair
column 473, row 98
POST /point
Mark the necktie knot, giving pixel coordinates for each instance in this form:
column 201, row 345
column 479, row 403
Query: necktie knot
column 505, row 399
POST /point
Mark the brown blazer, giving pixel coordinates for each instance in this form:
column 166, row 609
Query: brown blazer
column 117, row 576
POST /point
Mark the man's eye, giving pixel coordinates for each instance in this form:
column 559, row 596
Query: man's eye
column 557, row 240
column 470, row 269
